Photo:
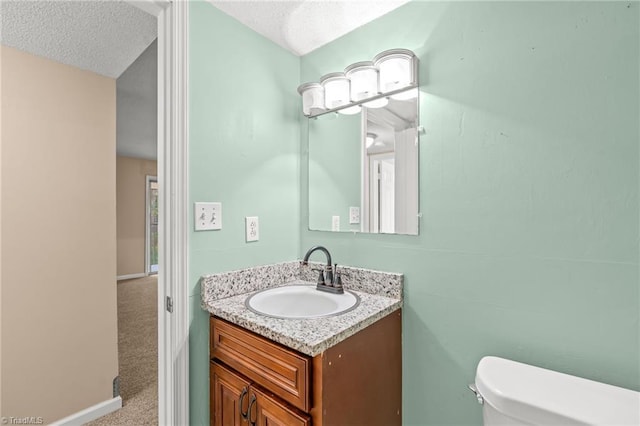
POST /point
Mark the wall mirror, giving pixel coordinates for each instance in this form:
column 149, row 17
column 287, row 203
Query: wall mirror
column 363, row 168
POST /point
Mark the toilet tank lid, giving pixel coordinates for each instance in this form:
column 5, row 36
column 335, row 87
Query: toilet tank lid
column 544, row 396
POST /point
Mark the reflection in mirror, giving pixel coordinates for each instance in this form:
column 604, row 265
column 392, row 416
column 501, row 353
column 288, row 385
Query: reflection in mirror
column 363, row 169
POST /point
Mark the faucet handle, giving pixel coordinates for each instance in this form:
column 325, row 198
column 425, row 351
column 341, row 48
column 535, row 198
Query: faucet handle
column 338, row 276
column 338, row 281
column 320, row 276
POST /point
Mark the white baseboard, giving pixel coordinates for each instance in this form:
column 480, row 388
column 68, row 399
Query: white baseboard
column 131, row 276
column 91, row 413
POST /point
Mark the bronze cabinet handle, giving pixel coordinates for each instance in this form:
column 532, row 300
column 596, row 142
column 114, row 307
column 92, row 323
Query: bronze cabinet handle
column 252, row 402
column 244, row 393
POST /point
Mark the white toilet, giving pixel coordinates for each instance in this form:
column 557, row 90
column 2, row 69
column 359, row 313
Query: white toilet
column 514, row 394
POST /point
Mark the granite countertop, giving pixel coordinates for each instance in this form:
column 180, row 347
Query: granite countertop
column 224, row 295
column 309, row 336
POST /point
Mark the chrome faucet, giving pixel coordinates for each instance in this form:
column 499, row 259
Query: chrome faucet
column 329, row 278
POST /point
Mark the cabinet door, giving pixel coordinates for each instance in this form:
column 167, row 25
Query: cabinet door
column 266, row 411
column 229, row 397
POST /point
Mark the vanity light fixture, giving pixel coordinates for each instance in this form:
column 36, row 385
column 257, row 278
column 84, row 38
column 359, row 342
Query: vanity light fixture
column 312, row 98
column 397, row 69
column 336, row 90
column 350, row 110
column 392, row 73
column 378, row 103
column 370, row 139
column 407, row 94
column 364, row 80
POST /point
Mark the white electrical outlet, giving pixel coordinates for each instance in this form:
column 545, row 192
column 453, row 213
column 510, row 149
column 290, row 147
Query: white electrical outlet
column 252, row 230
column 207, row 216
column 354, row 215
column 335, row 223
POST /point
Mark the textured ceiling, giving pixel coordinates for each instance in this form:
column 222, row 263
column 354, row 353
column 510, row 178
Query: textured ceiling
column 106, row 37
column 137, row 107
column 100, row 36
column 303, row 26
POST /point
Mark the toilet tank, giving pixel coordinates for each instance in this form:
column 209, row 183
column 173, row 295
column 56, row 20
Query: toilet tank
column 519, row 394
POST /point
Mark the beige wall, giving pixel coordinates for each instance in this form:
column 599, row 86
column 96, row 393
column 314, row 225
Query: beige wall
column 1, row 232
column 57, row 207
column 131, row 176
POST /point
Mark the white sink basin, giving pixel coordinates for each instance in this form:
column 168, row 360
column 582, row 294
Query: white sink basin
column 300, row 302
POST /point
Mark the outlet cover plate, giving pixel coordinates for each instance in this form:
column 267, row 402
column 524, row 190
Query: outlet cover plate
column 252, row 230
column 335, row 223
column 354, row 215
column 207, row 216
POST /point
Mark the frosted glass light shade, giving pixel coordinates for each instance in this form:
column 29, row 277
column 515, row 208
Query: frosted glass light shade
column 312, row 98
column 364, row 80
column 336, row 90
column 350, row 110
column 396, row 69
column 378, row 103
column 370, row 139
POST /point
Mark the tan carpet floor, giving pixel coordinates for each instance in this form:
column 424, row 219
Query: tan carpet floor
column 137, row 354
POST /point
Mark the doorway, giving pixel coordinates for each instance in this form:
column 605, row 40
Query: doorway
column 172, row 153
column 382, row 198
column 171, row 20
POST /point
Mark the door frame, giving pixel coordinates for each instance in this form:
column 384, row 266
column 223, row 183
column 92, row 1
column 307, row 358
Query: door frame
column 375, row 162
column 173, row 193
column 373, row 193
column 147, row 225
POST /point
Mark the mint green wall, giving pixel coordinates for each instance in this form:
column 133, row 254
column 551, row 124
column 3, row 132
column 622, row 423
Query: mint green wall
column 244, row 152
column 528, row 245
column 334, row 169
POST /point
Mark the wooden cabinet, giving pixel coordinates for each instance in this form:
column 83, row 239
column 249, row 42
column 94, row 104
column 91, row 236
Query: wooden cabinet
column 236, row 402
column 255, row 381
column 270, row 412
column 283, row 371
column 229, row 397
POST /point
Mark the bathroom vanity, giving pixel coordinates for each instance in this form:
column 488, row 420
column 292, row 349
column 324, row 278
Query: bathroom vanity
column 335, row 370
column 256, row 381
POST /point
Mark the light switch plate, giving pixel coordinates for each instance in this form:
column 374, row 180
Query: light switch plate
column 354, row 215
column 207, row 216
column 252, row 230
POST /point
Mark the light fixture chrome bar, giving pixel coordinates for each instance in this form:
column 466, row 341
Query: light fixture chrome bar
column 414, row 85
column 367, row 83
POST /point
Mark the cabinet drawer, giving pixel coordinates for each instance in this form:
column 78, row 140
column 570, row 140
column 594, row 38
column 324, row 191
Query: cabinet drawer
column 276, row 368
